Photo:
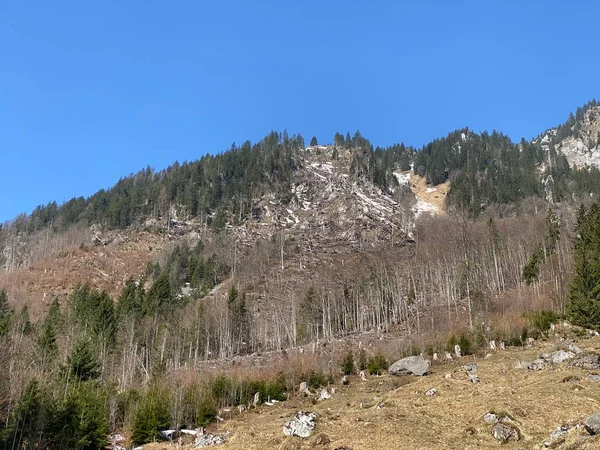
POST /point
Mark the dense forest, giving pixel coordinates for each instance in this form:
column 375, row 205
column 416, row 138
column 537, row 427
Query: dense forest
column 485, row 169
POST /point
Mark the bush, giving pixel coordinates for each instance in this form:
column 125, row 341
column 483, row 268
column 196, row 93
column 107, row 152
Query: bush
column 542, row 320
column 451, row 343
column 377, row 364
column 275, row 389
column 206, row 411
column 348, row 364
column 315, row 380
column 466, row 347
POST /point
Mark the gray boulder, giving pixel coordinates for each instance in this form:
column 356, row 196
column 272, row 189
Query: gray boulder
column 592, row 424
column 504, row 433
column 587, row 361
column 208, row 440
column 301, row 425
column 561, row 356
column 416, row 365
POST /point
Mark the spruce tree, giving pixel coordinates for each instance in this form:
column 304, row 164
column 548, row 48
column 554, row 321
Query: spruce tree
column 583, row 308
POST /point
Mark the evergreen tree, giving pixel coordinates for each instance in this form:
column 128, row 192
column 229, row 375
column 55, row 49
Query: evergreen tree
column 313, row 141
column 583, row 308
column 6, row 313
column 151, row 417
column 81, row 363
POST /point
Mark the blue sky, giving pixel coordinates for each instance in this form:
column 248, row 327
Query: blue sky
column 92, row 91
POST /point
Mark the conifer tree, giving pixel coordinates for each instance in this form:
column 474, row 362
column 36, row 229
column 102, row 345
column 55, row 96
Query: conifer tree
column 583, row 308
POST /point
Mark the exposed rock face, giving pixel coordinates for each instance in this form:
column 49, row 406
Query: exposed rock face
column 582, row 149
column 301, row 425
column 415, row 365
column 504, row 433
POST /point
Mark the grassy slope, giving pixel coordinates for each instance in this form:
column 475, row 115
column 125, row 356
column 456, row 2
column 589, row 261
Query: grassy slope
column 538, row 401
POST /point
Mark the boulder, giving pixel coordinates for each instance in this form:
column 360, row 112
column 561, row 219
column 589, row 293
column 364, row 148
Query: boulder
column 416, row 365
column 592, row 424
column 593, row 377
column 587, row 361
column 471, row 368
column 491, row 418
column 561, row 356
column 324, row 395
column 556, row 435
column 301, row 425
column 208, row 440
column 504, row 433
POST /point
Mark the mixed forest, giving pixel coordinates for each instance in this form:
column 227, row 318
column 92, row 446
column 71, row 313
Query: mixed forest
column 500, row 265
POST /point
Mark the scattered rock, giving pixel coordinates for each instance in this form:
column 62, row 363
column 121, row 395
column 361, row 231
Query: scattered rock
column 416, row 365
column 324, row 395
column 592, row 424
column 301, row 425
column 457, row 351
column 502, row 345
column 471, row 368
column 322, row 439
column 490, row 418
column 573, row 348
column 256, row 399
column 538, row 364
column 587, row 361
column 435, row 357
column 304, row 388
column 431, row 392
column 345, row 381
column 448, row 356
column 493, row 346
column 557, row 434
column 207, row 440
column 504, row 433
column 363, row 376
column 593, row 377
column 529, row 342
column 561, row 356
column 474, row 378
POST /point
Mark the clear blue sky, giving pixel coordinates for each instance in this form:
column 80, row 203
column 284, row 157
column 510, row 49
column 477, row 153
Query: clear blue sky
column 92, row 91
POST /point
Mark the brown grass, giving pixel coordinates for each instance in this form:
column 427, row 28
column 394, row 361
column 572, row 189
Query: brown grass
column 393, row 413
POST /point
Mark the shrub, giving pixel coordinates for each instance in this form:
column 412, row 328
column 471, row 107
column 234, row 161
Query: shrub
column 348, row 364
column 206, row 411
column 275, row 389
column 466, row 347
column 315, row 380
column 542, row 319
column 377, row 364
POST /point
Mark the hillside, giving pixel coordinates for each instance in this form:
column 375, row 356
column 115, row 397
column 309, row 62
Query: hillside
column 387, row 411
column 177, row 294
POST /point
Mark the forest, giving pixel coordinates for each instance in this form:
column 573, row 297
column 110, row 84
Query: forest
column 146, row 360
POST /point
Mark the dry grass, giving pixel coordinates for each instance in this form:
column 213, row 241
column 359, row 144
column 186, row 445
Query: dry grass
column 437, row 197
column 103, row 267
column 393, row 413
